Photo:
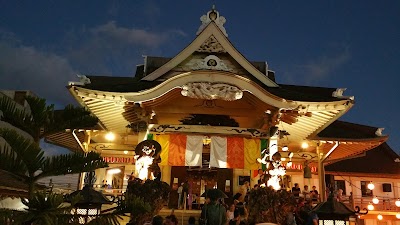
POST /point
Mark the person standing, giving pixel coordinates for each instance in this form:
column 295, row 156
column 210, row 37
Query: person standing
column 213, row 213
column 180, row 198
column 306, row 192
column 230, row 212
column 314, row 194
column 296, row 190
column 243, row 191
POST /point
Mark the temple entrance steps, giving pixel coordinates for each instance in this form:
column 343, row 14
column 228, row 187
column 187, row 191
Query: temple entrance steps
column 181, row 214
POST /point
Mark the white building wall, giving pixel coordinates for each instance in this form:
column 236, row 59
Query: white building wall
column 353, row 184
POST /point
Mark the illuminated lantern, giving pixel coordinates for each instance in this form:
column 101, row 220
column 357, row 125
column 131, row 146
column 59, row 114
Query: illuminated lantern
column 375, row 200
column 370, row 207
column 397, row 202
column 89, row 201
column 380, row 217
column 371, row 186
column 333, row 212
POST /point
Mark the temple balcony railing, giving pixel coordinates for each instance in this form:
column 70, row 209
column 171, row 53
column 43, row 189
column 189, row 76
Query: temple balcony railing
column 384, row 204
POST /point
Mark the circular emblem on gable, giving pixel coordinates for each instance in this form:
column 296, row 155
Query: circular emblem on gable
column 212, row 62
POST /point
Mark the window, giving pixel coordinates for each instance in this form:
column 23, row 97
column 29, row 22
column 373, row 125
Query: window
column 340, row 184
column 365, row 192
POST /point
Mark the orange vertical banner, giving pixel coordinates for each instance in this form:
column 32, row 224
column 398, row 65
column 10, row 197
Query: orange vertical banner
column 235, row 153
column 177, row 150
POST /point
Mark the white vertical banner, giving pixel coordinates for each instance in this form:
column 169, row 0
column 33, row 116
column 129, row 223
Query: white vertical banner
column 273, row 146
column 218, row 152
column 194, row 150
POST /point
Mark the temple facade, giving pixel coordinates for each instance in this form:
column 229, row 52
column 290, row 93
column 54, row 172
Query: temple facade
column 220, row 120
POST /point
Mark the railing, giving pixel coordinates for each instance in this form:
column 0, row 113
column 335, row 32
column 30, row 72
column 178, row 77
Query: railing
column 385, row 204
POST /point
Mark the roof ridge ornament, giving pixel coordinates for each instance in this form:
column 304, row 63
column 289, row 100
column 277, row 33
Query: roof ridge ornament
column 83, row 80
column 212, row 16
column 338, row 93
column 379, row 131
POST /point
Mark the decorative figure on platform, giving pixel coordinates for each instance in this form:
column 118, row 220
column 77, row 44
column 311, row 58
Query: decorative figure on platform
column 147, row 154
column 277, row 170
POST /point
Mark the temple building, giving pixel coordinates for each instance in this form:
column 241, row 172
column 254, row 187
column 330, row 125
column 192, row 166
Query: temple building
column 220, row 118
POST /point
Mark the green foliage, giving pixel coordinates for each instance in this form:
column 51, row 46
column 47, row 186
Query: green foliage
column 42, row 120
column 42, row 208
column 154, row 192
column 26, row 160
column 140, row 210
column 268, row 205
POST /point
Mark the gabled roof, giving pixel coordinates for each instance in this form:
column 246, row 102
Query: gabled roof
column 348, row 131
column 380, row 160
column 211, row 31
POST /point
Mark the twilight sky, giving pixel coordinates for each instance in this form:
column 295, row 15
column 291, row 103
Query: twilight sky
column 341, row 43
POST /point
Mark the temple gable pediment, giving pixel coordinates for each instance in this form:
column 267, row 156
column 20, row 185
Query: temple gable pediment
column 210, row 50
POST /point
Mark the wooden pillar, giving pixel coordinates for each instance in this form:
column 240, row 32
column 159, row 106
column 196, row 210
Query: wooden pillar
column 321, row 174
column 85, row 145
column 166, row 174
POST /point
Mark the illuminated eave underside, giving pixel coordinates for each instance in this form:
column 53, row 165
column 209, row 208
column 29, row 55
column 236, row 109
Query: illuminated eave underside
column 349, row 148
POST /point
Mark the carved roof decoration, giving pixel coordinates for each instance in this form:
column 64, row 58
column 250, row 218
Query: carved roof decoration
column 211, row 45
column 210, row 62
column 212, row 16
column 211, row 91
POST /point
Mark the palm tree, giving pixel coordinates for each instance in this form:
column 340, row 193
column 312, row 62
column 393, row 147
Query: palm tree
column 26, row 160
column 40, row 119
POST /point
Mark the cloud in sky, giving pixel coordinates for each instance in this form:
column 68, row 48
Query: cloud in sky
column 323, row 66
column 106, row 49
column 112, row 49
column 112, row 33
column 27, row 68
column 312, row 71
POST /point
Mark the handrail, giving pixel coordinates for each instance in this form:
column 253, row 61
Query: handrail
column 385, row 203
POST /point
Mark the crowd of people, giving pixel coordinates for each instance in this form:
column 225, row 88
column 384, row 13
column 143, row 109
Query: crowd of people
column 216, row 212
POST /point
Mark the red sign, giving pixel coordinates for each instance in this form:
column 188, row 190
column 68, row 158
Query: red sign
column 296, row 166
column 125, row 160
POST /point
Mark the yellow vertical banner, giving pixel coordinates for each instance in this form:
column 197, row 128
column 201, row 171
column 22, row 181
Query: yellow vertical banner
column 164, row 142
column 251, row 153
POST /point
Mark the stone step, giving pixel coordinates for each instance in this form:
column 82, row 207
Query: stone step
column 182, row 215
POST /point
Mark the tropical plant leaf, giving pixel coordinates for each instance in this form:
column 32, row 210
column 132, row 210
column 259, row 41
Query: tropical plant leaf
column 42, row 208
column 41, row 119
column 14, row 114
column 71, row 163
column 21, row 152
